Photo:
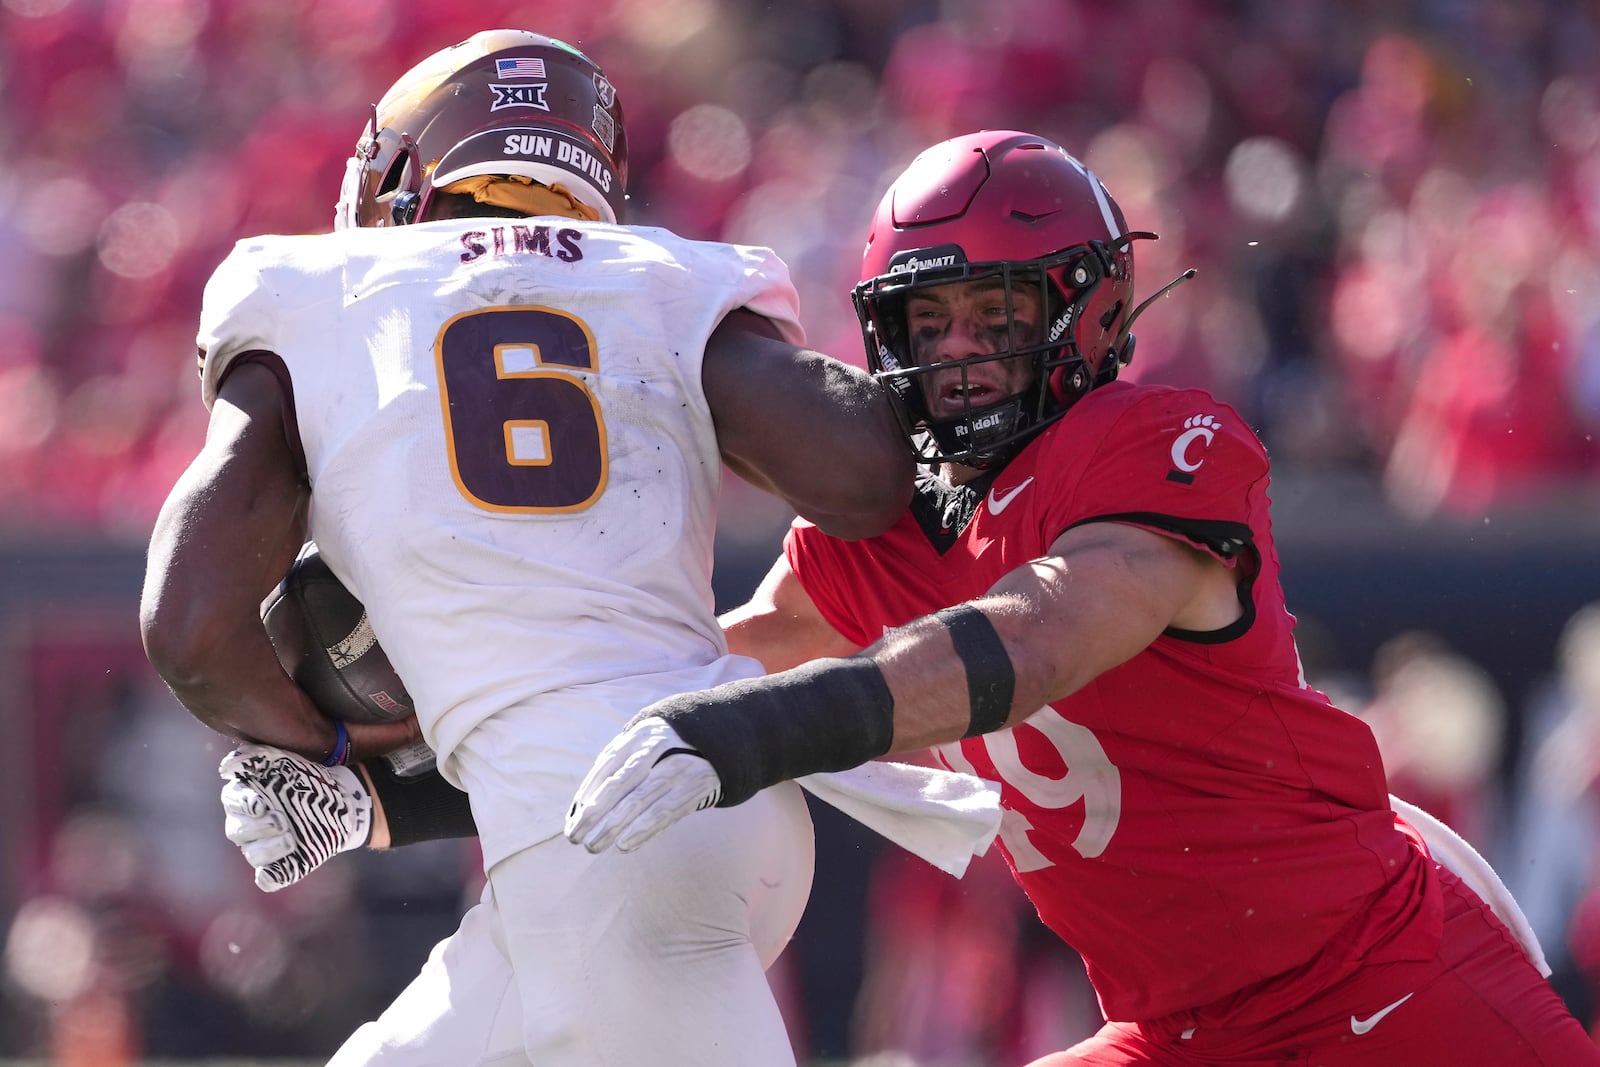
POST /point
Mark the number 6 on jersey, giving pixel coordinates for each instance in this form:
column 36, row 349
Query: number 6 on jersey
column 529, row 437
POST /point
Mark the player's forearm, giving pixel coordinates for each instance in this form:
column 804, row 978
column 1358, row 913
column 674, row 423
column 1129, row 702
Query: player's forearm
column 1040, row 635
column 953, row 676
column 1045, row 630
column 413, row 808
column 780, row 626
column 834, row 714
column 1051, row 626
column 826, row 715
column 210, row 648
column 248, row 697
column 379, row 837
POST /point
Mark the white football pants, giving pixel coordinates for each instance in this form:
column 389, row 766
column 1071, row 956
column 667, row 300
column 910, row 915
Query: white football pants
column 617, row 960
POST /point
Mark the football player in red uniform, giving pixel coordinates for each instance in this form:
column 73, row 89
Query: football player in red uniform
column 1211, row 834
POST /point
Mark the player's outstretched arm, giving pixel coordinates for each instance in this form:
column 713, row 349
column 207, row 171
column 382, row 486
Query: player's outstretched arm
column 1104, row 593
column 816, row 432
column 227, row 533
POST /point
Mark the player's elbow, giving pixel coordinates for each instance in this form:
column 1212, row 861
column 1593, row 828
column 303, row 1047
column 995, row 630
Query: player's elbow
column 852, row 520
column 180, row 644
column 856, row 523
column 868, row 499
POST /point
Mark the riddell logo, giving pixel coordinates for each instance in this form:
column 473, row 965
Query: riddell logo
column 1062, row 325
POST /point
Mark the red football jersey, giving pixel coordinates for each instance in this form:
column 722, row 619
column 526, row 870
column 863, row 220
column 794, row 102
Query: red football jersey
column 1198, row 822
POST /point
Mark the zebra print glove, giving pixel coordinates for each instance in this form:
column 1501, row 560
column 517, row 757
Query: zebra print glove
column 289, row 815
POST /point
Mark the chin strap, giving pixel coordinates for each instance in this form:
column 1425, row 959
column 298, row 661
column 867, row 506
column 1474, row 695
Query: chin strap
column 344, row 212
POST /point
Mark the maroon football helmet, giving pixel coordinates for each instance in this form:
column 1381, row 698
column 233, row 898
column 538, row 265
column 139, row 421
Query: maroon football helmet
column 500, row 102
column 1018, row 206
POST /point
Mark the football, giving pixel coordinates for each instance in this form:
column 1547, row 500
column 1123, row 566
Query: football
column 324, row 641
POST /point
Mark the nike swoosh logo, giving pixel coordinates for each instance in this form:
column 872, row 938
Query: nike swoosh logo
column 997, row 504
column 1361, row 1026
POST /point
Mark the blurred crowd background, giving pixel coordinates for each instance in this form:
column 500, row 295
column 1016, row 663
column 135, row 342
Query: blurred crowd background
column 1394, row 208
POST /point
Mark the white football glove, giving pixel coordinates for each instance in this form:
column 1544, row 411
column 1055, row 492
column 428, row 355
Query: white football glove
column 289, row 815
column 645, row 780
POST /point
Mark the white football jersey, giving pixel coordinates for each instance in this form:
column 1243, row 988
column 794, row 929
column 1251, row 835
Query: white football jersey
column 513, row 466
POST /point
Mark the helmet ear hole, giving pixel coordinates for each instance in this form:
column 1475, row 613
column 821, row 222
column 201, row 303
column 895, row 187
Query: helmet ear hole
column 391, row 177
column 1068, row 383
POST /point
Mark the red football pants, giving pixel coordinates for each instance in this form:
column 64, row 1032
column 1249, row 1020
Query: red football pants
column 1478, row 1002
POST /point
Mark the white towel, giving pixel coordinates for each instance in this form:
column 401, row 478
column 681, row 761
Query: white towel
column 1452, row 850
column 943, row 816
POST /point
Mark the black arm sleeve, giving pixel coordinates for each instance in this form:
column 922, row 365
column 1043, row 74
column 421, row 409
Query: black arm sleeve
column 422, row 807
column 826, row 715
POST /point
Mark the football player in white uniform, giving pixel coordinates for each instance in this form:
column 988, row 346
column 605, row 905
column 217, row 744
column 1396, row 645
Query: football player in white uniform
column 503, row 417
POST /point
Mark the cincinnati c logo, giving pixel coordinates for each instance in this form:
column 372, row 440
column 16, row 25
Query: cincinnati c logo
column 1197, row 430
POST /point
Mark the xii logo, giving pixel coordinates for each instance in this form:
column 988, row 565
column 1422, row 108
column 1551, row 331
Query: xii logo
column 530, row 95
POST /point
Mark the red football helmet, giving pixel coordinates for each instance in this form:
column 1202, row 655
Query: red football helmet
column 500, row 102
column 1018, row 206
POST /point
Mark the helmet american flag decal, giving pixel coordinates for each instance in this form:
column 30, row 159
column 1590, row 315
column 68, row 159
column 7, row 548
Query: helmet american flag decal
column 519, row 67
